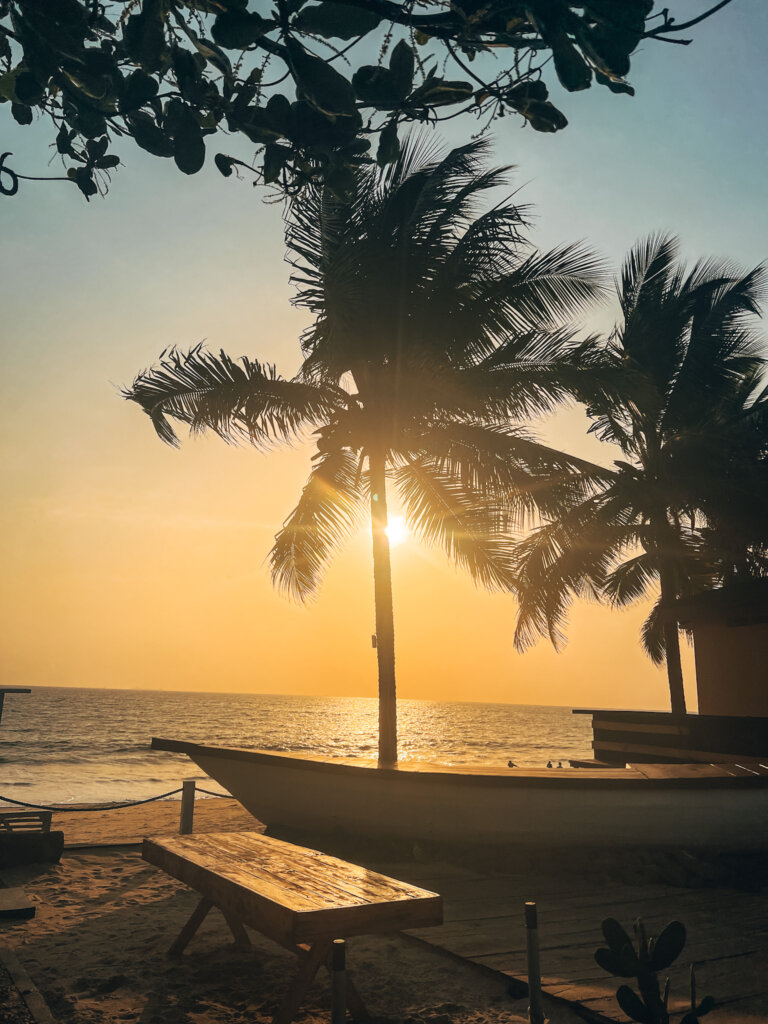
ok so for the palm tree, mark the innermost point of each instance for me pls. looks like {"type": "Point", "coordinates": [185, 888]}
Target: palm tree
{"type": "Point", "coordinates": [688, 345]}
{"type": "Point", "coordinates": [434, 333]}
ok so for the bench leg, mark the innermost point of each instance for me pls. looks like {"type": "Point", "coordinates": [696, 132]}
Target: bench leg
{"type": "Point", "coordinates": [357, 1007]}
{"type": "Point", "coordinates": [239, 933]}
{"type": "Point", "coordinates": [199, 914]}
{"type": "Point", "coordinates": [314, 959]}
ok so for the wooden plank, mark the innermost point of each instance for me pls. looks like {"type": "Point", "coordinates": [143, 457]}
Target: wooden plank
{"type": "Point", "coordinates": [687, 771]}
{"type": "Point", "coordinates": [28, 991]}
{"type": "Point", "coordinates": [15, 903]}
{"type": "Point", "coordinates": [684, 755]}
{"type": "Point", "coordinates": [636, 727]}
{"type": "Point", "coordinates": [323, 876]}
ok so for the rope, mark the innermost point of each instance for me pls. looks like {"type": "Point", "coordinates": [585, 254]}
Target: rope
{"type": "Point", "coordinates": [91, 807]}
{"type": "Point", "coordinates": [209, 792]}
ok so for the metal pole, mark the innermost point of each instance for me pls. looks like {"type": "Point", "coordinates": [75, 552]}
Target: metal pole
{"type": "Point", "coordinates": [338, 982]}
{"type": "Point", "coordinates": [186, 820]}
{"type": "Point", "coordinates": [535, 1009]}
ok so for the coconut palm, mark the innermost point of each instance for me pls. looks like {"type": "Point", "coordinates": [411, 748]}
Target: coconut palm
{"type": "Point", "coordinates": [687, 338]}
{"type": "Point", "coordinates": [434, 334]}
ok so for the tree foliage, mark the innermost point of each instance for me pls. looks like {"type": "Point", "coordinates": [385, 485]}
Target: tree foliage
{"type": "Point", "coordinates": [435, 331]}
{"type": "Point", "coordinates": [684, 507]}
{"type": "Point", "coordinates": [319, 86]}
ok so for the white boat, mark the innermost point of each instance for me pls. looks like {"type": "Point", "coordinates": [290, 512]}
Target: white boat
{"type": "Point", "coordinates": [649, 804]}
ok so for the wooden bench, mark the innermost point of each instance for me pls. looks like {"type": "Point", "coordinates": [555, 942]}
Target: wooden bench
{"type": "Point", "coordinates": [25, 821]}
{"type": "Point", "coordinates": [299, 898]}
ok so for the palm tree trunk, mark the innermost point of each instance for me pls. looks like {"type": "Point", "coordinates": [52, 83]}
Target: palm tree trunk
{"type": "Point", "coordinates": [385, 625]}
{"type": "Point", "coordinates": [672, 650]}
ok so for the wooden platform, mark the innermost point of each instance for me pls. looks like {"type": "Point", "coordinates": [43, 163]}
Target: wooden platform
{"type": "Point", "coordinates": [727, 935]}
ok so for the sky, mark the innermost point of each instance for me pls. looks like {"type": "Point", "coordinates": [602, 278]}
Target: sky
{"type": "Point", "coordinates": [128, 564]}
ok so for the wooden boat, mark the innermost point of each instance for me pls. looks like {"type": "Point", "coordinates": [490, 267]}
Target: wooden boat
{"type": "Point", "coordinates": [649, 804]}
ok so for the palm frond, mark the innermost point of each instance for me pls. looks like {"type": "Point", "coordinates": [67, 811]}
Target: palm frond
{"type": "Point", "coordinates": [472, 532]}
{"type": "Point", "coordinates": [329, 510]}
{"type": "Point", "coordinates": [240, 400]}
{"type": "Point", "coordinates": [630, 580]}
{"type": "Point", "coordinates": [652, 635]}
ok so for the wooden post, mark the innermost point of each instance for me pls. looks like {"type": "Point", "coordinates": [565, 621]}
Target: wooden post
{"type": "Point", "coordinates": [187, 807]}
{"type": "Point", "coordinates": [535, 1010]}
{"type": "Point", "coordinates": [338, 982]}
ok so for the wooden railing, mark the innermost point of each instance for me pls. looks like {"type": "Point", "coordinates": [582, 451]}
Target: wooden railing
{"type": "Point", "coordinates": [651, 737]}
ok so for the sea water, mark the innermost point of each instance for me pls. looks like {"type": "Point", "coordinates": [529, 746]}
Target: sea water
{"type": "Point", "coordinates": [62, 745]}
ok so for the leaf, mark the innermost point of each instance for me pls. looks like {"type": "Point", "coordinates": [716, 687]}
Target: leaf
{"type": "Point", "coordinates": [21, 113]}
{"type": "Point", "coordinates": [340, 180]}
{"type": "Point", "coordinates": [8, 84]}
{"type": "Point", "coordinates": [104, 163]}
{"type": "Point", "coordinates": [522, 94]}
{"type": "Point", "coordinates": [188, 146]}
{"type": "Point", "coordinates": [335, 21]}
{"type": "Point", "coordinates": [63, 143]}
{"type": "Point", "coordinates": [437, 92]}
{"type": "Point", "coordinates": [275, 158]}
{"type": "Point", "coordinates": [28, 89]}
{"type": "Point", "coordinates": [668, 946]}
{"type": "Point", "coordinates": [616, 936]}
{"type": "Point", "coordinates": [82, 178]}
{"type": "Point", "coordinates": [96, 148]}
{"type": "Point", "coordinates": [389, 145]}
{"type": "Point", "coordinates": [706, 1005]}
{"type": "Point", "coordinates": [321, 84]}
{"type": "Point", "coordinates": [236, 30]}
{"type": "Point", "coordinates": [138, 89]}
{"type": "Point", "coordinates": [149, 136]}
{"type": "Point", "coordinates": [545, 117]}
{"type": "Point", "coordinates": [89, 122]}
{"type": "Point", "coordinates": [401, 64]}
{"type": "Point", "coordinates": [224, 164]}
{"type": "Point", "coordinates": [632, 1005]}
{"type": "Point", "coordinates": [614, 84]}
{"type": "Point", "coordinates": [144, 36]}
{"type": "Point", "coordinates": [376, 87]}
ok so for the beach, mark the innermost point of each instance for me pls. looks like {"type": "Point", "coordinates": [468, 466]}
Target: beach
{"type": "Point", "coordinates": [96, 947]}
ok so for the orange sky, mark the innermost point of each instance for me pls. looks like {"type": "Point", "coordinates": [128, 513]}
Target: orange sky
{"type": "Point", "coordinates": [128, 564]}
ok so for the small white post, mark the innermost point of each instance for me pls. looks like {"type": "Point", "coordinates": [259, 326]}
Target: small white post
{"type": "Point", "coordinates": [535, 1009]}
{"type": "Point", "coordinates": [338, 982]}
{"type": "Point", "coordinates": [186, 820]}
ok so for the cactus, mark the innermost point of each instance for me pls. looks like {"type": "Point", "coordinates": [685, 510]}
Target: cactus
{"type": "Point", "coordinates": [642, 960]}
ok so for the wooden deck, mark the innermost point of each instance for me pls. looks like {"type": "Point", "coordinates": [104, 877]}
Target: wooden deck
{"type": "Point", "coordinates": [483, 913]}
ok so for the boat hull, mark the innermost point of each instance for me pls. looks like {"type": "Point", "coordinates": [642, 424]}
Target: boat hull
{"type": "Point", "coordinates": [620, 807]}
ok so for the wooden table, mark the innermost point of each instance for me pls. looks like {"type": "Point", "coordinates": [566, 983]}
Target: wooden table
{"type": "Point", "coordinates": [297, 897]}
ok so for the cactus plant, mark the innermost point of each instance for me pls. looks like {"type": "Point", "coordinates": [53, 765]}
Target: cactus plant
{"type": "Point", "coordinates": [642, 960]}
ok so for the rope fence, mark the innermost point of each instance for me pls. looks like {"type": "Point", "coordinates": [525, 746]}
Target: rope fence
{"type": "Point", "coordinates": [106, 807]}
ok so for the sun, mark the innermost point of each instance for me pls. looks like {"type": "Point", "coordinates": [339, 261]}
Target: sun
{"type": "Point", "coordinates": [397, 531]}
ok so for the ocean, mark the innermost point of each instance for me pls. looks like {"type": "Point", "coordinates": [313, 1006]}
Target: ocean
{"type": "Point", "coordinates": [73, 745]}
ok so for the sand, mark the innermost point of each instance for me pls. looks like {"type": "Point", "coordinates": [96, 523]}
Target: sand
{"type": "Point", "coordinates": [104, 920]}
